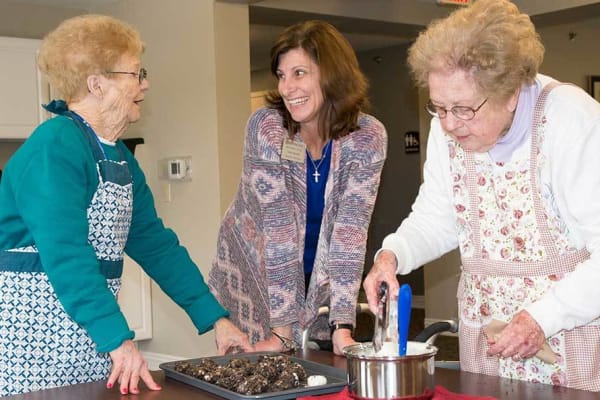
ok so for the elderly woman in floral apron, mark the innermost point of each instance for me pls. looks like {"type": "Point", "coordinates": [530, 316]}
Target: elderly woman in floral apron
{"type": "Point", "coordinates": [72, 200]}
{"type": "Point", "coordinates": [511, 179]}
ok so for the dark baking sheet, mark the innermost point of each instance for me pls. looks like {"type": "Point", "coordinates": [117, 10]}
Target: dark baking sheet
{"type": "Point", "coordinates": [336, 378]}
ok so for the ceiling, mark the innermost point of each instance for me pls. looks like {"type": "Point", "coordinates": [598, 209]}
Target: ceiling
{"type": "Point", "coordinates": [368, 24]}
{"type": "Point", "coordinates": [382, 23]}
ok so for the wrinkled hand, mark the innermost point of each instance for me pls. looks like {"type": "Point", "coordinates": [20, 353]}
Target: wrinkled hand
{"type": "Point", "coordinates": [383, 270]}
{"type": "Point", "coordinates": [341, 338]}
{"type": "Point", "coordinates": [521, 338]}
{"type": "Point", "coordinates": [270, 344]}
{"type": "Point", "coordinates": [274, 343]}
{"type": "Point", "coordinates": [230, 339]}
{"type": "Point", "coordinates": [128, 366]}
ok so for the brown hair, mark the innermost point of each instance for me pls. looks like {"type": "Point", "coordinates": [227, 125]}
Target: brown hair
{"type": "Point", "coordinates": [82, 46]}
{"type": "Point", "coordinates": [343, 84]}
{"type": "Point", "coordinates": [491, 40]}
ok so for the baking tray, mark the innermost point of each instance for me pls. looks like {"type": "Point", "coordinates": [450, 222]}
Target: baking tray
{"type": "Point", "coordinates": [336, 378]}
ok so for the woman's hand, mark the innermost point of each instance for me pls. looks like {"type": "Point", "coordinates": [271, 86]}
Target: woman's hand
{"type": "Point", "coordinates": [521, 338]}
{"type": "Point", "coordinates": [341, 338]}
{"type": "Point", "coordinates": [128, 366]}
{"type": "Point", "coordinates": [383, 270]}
{"type": "Point", "coordinates": [280, 340]}
{"type": "Point", "coordinates": [230, 339]}
{"type": "Point", "coordinates": [271, 344]}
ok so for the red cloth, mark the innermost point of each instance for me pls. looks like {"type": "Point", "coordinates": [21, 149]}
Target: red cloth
{"type": "Point", "coordinates": [343, 395]}
{"type": "Point", "coordinates": [440, 393]}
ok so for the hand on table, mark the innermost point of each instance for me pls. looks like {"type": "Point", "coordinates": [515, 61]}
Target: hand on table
{"type": "Point", "coordinates": [280, 340]}
{"type": "Point", "coordinates": [521, 338]}
{"type": "Point", "coordinates": [128, 366]}
{"type": "Point", "coordinates": [270, 344]}
{"type": "Point", "coordinates": [230, 339]}
{"type": "Point", "coordinates": [341, 338]}
{"type": "Point", "coordinates": [383, 270]}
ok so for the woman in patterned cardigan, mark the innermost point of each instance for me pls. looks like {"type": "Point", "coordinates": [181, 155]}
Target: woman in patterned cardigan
{"type": "Point", "coordinates": [294, 238]}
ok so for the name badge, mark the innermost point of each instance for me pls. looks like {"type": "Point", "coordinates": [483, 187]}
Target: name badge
{"type": "Point", "coordinates": [293, 151]}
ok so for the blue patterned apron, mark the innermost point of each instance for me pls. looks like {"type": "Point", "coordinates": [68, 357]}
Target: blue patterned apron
{"type": "Point", "coordinates": [40, 345]}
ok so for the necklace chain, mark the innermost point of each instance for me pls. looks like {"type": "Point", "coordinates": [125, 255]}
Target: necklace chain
{"type": "Point", "coordinates": [316, 174]}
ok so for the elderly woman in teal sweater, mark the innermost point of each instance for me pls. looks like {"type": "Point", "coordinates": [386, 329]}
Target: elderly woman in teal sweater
{"type": "Point", "coordinates": [72, 201]}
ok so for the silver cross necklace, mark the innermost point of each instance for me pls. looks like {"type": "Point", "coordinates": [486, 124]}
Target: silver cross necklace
{"type": "Point", "coordinates": [316, 174]}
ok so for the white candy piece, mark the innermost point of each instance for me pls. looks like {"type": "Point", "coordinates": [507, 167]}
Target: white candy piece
{"type": "Point", "coordinates": [316, 380]}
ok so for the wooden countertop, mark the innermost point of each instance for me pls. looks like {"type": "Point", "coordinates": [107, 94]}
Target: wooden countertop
{"type": "Point", "coordinates": [456, 381]}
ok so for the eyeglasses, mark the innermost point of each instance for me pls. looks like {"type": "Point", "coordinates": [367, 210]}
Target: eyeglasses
{"type": "Point", "coordinates": [141, 74]}
{"type": "Point", "coordinates": [461, 112]}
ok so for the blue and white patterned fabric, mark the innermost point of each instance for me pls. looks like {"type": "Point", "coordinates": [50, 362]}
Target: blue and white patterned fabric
{"type": "Point", "coordinates": [40, 345]}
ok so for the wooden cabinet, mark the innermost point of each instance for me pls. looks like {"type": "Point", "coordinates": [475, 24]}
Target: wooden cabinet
{"type": "Point", "coordinates": [22, 88]}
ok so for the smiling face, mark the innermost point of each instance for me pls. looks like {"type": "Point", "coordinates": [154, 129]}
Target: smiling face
{"type": "Point", "coordinates": [457, 88]}
{"type": "Point", "coordinates": [300, 87]}
{"type": "Point", "coordinates": [123, 93]}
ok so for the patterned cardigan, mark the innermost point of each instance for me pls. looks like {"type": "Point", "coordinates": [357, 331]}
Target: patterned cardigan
{"type": "Point", "coordinates": [257, 274]}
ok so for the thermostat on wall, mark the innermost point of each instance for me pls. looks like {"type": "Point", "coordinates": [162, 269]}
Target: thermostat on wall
{"type": "Point", "coordinates": [175, 168]}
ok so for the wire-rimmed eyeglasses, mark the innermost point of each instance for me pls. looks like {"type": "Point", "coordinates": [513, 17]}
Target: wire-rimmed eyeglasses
{"type": "Point", "coordinates": [461, 112]}
{"type": "Point", "coordinates": [141, 74]}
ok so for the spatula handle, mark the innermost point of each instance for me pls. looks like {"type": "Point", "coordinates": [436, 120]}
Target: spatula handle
{"type": "Point", "coordinates": [379, 318]}
{"type": "Point", "coordinates": [404, 307]}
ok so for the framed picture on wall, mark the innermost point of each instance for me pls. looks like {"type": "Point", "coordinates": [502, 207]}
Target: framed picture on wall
{"type": "Point", "coordinates": [594, 86]}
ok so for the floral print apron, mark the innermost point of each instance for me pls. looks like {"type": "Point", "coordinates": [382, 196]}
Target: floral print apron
{"type": "Point", "coordinates": [514, 247]}
{"type": "Point", "coordinates": [40, 345]}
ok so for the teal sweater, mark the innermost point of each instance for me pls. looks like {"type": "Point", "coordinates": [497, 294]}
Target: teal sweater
{"type": "Point", "coordinates": [46, 188]}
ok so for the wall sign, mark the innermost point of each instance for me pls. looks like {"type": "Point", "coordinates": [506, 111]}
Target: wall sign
{"type": "Point", "coordinates": [411, 142]}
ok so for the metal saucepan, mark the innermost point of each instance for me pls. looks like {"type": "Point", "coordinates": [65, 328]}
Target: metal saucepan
{"type": "Point", "coordinates": [375, 376]}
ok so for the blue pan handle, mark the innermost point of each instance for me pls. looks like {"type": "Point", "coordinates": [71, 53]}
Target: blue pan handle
{"type": "Point", "coordinates": [404, 306]}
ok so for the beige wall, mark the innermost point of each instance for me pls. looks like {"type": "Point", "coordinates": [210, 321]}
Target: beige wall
{"type": "Point", "coordinates": [198, 103]}
{"type": "Point", "coordinates": [31, 21]}
{"type": "Point", "coordinates": [572, 60]}
{"type": "Point", "coordinates": [394, 101]}
{"type": "Point", "coordinates": [262, 79]}
{"type": "Point", "coordinates": [232, 53]}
